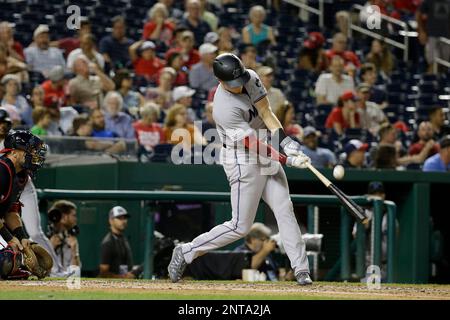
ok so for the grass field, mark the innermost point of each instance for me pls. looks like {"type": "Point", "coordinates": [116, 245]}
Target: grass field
{"type": "Point", "coordinates": [213, 290]}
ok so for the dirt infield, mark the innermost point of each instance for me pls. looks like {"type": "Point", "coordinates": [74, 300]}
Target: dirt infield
{"type": "Point", "coordinates": [143, 289]}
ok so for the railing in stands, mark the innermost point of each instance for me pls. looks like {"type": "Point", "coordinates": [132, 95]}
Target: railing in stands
{"type": "Point", "coordinates": [404, 32]}
{"type": "Point", "coordinates": [303, 4]}
{"type": "Point", "coordinates": [439, 61]}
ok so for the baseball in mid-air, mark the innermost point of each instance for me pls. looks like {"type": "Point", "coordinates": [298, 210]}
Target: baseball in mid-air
{"type": "Point", "coordinates": [338, 172]}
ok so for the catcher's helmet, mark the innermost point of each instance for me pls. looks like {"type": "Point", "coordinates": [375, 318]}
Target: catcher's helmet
{"type": "Point", "coordinates": [35, 149]}
{"type": "Point", "coordinates": [229, 69]}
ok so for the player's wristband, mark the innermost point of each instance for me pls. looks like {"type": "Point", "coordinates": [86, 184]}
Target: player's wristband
{"type": "Point", "coordinates": [19, 233]}
{"type": "Point", "coordinates": [279, 136]}
{"type": "Point", "coordinates": [6, 235]}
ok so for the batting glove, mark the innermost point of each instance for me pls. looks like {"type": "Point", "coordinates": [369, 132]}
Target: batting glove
{"type": "Point", "coordinates": [300, 161]}
{"type": "Point", "coordinates": [291, 147]}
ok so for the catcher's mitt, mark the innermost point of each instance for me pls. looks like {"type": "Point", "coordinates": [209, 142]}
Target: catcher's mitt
{"type": "Point", "coordinates": [37, 260]}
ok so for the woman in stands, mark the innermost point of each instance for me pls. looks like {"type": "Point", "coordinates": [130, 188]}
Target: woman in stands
{"type": "Point", "coordinates": [257, 31]}
{"type": "Point", "coordinates": [148, 132]}
{"type": "Point", "coordinates": [344, 116]}
{"type": "Point", "coordinates": [381, 56]}
{"type": "Point", "coordinates": [13, 97]}
{"type": "Point", "coordinates": [178, 130]}
{"type": "Point", "coordinates": [312, 56]}
{"type": "Point", "coordinates": [159, 28]}
{"type": "Point", "coordinates": [286, 114]}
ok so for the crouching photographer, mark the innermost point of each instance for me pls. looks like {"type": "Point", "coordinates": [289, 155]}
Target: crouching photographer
{"type": "Point", "coordinates": [63, 232]}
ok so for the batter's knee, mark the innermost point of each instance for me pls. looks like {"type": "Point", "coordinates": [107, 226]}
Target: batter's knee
{"type": "Point", "coordinates": [241, 229]}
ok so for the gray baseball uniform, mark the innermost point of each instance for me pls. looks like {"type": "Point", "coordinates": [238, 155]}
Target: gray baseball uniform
{"type": "Point", "coordinates": [236, 117]}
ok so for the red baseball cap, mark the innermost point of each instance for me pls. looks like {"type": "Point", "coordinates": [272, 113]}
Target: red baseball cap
{"type": "Point", "coordinates": [315, 40]}
{"type": "Point", "coordinates": [348, 95]}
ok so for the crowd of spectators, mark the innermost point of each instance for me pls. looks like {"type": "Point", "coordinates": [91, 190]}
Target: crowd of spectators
{"type": "Point", "coordinates": [145, 84]}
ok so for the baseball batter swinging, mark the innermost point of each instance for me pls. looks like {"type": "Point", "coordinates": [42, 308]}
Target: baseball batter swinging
{"type": "Point", "coordinates": [241, 109]}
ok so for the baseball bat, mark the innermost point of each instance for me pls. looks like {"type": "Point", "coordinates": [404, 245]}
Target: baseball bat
{"type": "Point", "coordinates": [356, 211]}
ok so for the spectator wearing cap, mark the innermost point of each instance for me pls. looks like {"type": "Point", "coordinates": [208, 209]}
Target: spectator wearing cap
{"type": "Point", "coordinates": [355, 154]}
{"type": "Point", "coordinates": [55, 88]}
{"type": "Point", "coordinates": [320, 157]}
{"type": "Point", "coordinates": [339, 48]}
{"type": "Point", "coordinates": [114, 47]}
{"type": "Point", "coordinates": [330, 86]}
{"type": "Point", "coordinates": [14, 47]}
{"type": "Point", "coordinates": [149, 133]}
{"type": "Point", "coordinates": [248, 56]}
{"type": "Point", "coordinates": [370, 113]}
{"type": "Point", "coordinates": [344, 116]}
{"type": "Point", "coordinates": [183, 96]}
{"type": "Point", "coordinates": [436, 116]}
{"type": "Point", "coordinates": [312, 56]}
{"type": "Point", "coordinates": [42, 57]}
{"type": "Point", "coordinates": [440, 161]}
{"type": "Point", "coordinates": [201, 76]}
{"type": "Point", "coordinates": [159, 28]}
{"type": "Point", "coordinates": [41, 119]}
{"type": "Point", "coordinates": [194, 21]}
{"type": "Point", "coordinates": [145, 63]}
{"type": "Point", "coordinates": [257, 32]}
{"type": "Point", "coordinates": [286, 115]}
{"type": "Point", "coordinates": [368, 74]}
{"type": "Point", "coordinates": [12, 96]}
{"type": "Point", "coordinates": [261, 246]}
{"type": "Point", "coordinates": [424, 134]}
{"type": "Point", "coordinates": [132, 100]}
{"type": "Point", "coordinates": [162, 94]}
{"type": "Point", "coordinates": [85, 89]}
{"type": "Point", "coordinates": [87, 48]}
{"type": "Point", "coordinates": [67, 45]}
{"type": "Point", "coordinates": [211, 37]}
{"type": "Point", "coordinates": [116, 257]}
{"type": "Point", "coordinates": [275, 95]}
{"type": "Point", "coordinates": [189, 55]}
{"type": "Point", "coordinates": [117, 121]}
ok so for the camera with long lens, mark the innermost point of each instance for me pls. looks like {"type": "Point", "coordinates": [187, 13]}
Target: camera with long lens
{"type": "Point", "coordinates": [313, 242]}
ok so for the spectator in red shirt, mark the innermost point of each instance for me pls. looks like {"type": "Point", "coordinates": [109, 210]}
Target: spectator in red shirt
{"type": "Point", "coordinates": [148, 132]}
{"type": "Point", "coordinates": [55, 88]}
{"type": "Point", "coordinates": [175, 61]}
{"type": "Point", "coordinates": [425, 134]}
{"type": "Point", "coordinates": [145, 62]}
{"type": "Point", "coordinates": [159, 27]}
{"type": "Point", "coordinates": [344, 115]}
{"type": "Point", "coordinates": [339, 48]}
{"type": "Point", "coordinates": [15, 49]}
{"type": "Point", "coordinates": [189, 55]}
{"type": "Point", "coordinates": [67, 45]}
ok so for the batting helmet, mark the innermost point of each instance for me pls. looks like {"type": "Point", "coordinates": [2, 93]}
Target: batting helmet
{"type": "Point", "coordinates": [35, 149]}
{"type": "Point", "coordinates": [229, 69]}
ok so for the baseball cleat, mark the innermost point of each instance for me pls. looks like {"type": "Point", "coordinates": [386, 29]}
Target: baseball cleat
{"type": "Point", "coordinates": [177, 265]}
{"type": "Point", "coordinates": [303, 279]}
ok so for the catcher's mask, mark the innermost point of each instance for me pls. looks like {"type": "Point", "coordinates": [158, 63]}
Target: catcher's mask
{"type": "Point", "coordinates": [9, 262]}
{"type": "Point", "coordinates": [35, 149]}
